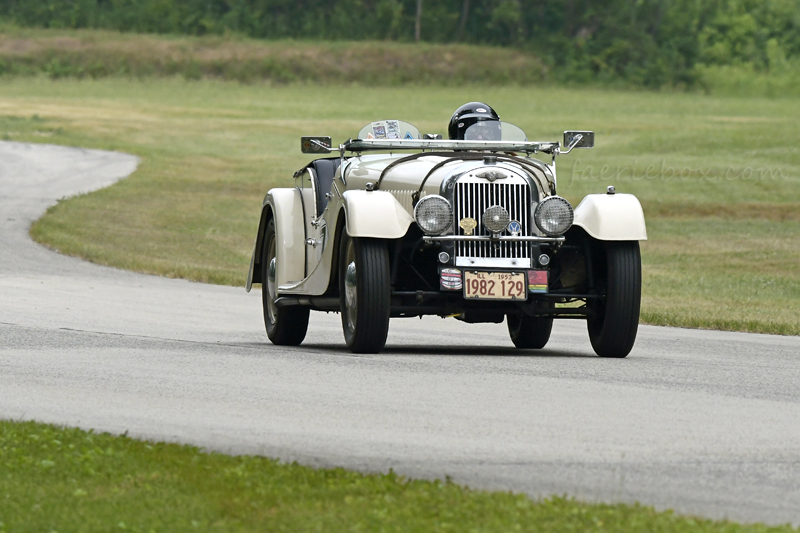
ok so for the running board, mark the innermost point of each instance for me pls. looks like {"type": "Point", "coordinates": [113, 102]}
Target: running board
{"type": "Point", "coordinates": [317, 303]}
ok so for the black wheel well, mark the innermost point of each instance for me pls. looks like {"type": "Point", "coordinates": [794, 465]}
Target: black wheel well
{"type": "Point", "coordinates": [258, 251]}
{"type": "Point", "coordinates": [333, 281]}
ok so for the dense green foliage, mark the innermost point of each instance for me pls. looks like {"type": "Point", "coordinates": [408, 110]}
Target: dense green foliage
{"type": "Point", "coordinates": [653, 43]}
{"type": "Point", "coordinates": [56, 479]}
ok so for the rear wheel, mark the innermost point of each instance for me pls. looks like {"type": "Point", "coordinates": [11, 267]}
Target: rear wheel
{"type": "Point", "coordinates": [615, 320]}
{"type": "Point", "coordinates": [286, 326]}
{"type": "Point", "coordinates": [529, 332]}
{"type": "Point", "coordinates": [364, 293]}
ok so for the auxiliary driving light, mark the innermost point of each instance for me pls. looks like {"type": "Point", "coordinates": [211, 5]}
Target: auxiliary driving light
{"type": "Point", "coordinates": [496, 219]}
{"type": "Point", "coordinates": [433, 214]}
{"type": "Point", "coordinates": [553, 215]}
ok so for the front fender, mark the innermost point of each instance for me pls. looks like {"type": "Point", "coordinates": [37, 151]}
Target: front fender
{"type": "Point", "coordinates": [611, 217]}
{"type": "Point", "coordinates": [286, 207]}
{"type": "Point", "coordinates": [375, 214]}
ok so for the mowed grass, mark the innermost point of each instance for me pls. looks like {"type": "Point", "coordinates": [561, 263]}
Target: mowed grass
{"type": "Point", "coordinates": [57, 479]}
{"type": "Point", "coordinates": [719, 178]}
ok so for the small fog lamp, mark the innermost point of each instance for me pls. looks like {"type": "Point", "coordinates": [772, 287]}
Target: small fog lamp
{"type": "Point", "coordinates": [496, 219]}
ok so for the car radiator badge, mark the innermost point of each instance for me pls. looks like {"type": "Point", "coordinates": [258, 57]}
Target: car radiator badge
{"type": "Point", "coordinates": [514, 228]}
{"type": "Point", "coordinates": [468, 224]}
{"type": "Point", "coordinates": [492, 175]}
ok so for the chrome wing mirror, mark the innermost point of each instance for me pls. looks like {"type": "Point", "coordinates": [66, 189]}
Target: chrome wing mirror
{"type": "Point", "coordinates": [577, 139]}
{"type": "Point", "coordinates": [315, 145]}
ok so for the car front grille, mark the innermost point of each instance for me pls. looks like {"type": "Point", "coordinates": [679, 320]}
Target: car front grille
{"type": "Point", "coordinates": [471, 198]}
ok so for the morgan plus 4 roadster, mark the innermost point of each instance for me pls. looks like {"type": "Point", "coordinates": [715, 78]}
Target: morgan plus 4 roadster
{"type": "Point", "coordinates": [403, 225]}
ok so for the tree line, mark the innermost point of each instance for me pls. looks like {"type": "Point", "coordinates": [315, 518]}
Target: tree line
{"type": "Point", "coordinates": [647, 42]}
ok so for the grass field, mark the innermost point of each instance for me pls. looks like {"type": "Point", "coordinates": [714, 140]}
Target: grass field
{"type": "Point", "coordinates": [55, 479]}
{"type": "Point", "coordinates": [719, 178]}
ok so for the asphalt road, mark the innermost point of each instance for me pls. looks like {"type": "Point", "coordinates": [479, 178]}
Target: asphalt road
{"type": "Point", "coordinates": [702, 422]}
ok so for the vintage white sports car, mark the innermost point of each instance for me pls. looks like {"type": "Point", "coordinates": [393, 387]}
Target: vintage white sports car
{"type": "Point", "coordinates": [400, 224]}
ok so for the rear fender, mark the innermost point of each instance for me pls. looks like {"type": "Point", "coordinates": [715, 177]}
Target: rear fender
{"type": "Point", "coordinates": [286, 207]}
{"type": "Point", "coordinates": [611, 217]}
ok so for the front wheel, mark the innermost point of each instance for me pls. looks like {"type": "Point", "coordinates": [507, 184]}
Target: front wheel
{"type": "Point", "coordinates": [615, 320]}
{"type": "Point", "coordinates": [286, 326]}
{"type": "Point", "coordinates": [529, 332]}
{"type": "Point", "coordinates": [364, 293]}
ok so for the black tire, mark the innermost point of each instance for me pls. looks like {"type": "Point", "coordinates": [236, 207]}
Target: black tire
{"type": "Point", "coordinates": [613, 326]}
{"type": "Point", "coordinates": [364, 293]}
{"type": "Point", "coordinates": [286, 326]}
{"type": "Point", "coordinates": [529, 332]}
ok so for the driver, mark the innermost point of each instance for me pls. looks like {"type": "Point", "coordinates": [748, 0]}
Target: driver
{"type": "Point", "coordinates": [474, 121]}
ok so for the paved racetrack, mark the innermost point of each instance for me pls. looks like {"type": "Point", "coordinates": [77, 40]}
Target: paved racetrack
{"type": "Point", "coordinates": [702, 422]}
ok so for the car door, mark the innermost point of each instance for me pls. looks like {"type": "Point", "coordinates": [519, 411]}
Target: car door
{"type": "Point", "coordinates": [319, 177]}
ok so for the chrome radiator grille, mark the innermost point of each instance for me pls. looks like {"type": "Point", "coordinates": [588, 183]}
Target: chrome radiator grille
{"type": "Point", "coordinates": [472, 197]}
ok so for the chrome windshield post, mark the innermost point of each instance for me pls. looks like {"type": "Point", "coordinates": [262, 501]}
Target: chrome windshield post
{"type": "Point", "coordinates": [341, 163]}
{"type": "Point", "coordinates": [552, 165]}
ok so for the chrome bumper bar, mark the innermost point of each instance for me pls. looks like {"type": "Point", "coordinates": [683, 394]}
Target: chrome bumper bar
{"type": "Point", "coordinates": [485, 238]}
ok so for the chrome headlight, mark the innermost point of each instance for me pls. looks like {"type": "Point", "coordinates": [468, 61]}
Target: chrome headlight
{"type": "Point", "coordinates": [434, 214]}
{"type": "Point", "coordinates": [496, 219]}
{"type": "Point", "coordinates": [553, 215]}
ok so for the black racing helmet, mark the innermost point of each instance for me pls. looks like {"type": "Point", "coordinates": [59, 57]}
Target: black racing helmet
{"type": "Point", "coordinates": [469, 114]}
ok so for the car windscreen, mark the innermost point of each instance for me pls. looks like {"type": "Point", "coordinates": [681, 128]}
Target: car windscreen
{"type": "Point", "coordinates": [389, 129]}
{"type": "Point", "coordinates": [494, 130]}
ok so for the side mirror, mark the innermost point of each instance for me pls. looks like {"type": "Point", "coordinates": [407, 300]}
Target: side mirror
{"type": "Point", "coordinates": [315, 145]}
{"type": "Point", "coordinates": [586, 141]}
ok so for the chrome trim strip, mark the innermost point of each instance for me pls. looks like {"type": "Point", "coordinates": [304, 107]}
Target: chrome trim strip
{"type": "Point", "coordinates": [492, 262]}
{"type": "Point", "coordinates": [486, 238]}
{"type": "Point", "coordinates": [362, 145]}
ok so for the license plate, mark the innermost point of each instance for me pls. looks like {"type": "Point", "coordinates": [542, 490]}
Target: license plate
{"type": "Point", "coordinates": [495, 285]}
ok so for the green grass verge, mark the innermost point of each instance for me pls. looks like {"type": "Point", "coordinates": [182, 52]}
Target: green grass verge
{"type": "Point", "coordinates": [58, 480]}
{"type": "Point", "coordinates": [719, 178]}
{"type": "Point", "coordinates": [93, 54]}
{"type": "Point", "coordinates": [99, 54]}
